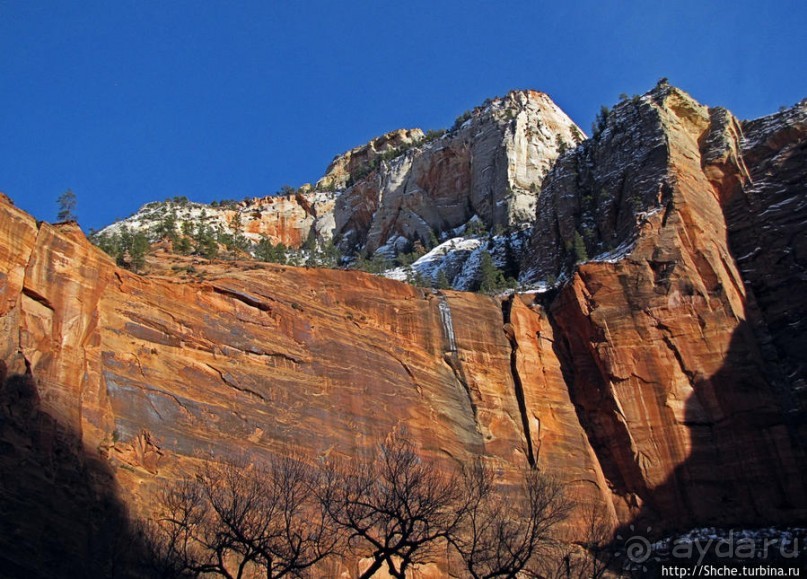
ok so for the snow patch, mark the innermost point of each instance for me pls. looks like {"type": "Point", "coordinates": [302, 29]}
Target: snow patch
{"type": "Point", "coordinates": [617, 254]}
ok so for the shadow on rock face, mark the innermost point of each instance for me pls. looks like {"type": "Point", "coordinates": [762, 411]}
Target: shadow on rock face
{"type": "Point", "coordinates": [744, 473]}
{"type": "Point", "coordinates": [746, 462]}
{"type": "Point", "coordinates": [59, 512]}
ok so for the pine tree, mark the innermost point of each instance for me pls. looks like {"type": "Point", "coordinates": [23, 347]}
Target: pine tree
{"type": "Point", "coordinates": [206, 244]}
{"type": "Point", "coordinates": [137, 251]}
{"type": "Point", "coordinates": [109, 243]}
{"type": "Point", "coordinates": [265, 251]}
{"type": "Point", "coordinates": [432, 241]}
{"type": "Point", "coordinates": [129, 249]}
{"type": "Point", "coordinates": [167, 227]}
{"type": "Point", "coordinates": [491, 278]}
{"type": "Point", "coordinates": [579, 248]}
{"type": "Point", "coordinates": [235, 223]}
{"type": "Point", "coordinates": [67, 206]}
{"type": "Point", "coordinates": [442, 280]}
{"type": "Point", "coordinates": [183, 246]}
{"type": "Point", "coordinates": [330, 254]}
{"type": "Point", "coordinates": [601, 122]}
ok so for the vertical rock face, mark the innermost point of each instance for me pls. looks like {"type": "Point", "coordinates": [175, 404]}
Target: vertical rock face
{"type": "Point", "coordinates": [491, 166]}
{"type": "Point", "coordinates": [148, 378]}
{"type": "Point", "coordinates": [289, 219]}
{"type": "Point", "coordinates": [664, 365]}
{"type": "Point", "coordinates": [766, 223]}
{"type": "Point", "coordinates": [361, 159]}
{"type": "Point", "coordinates": [662, 376]}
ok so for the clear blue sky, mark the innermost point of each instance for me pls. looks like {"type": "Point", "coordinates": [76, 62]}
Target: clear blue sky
{"type": "Point", "coordinates": [128, 101]}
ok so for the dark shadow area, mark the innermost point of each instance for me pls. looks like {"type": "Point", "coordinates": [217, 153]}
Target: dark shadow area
{"type": "Point", "coordinates": [744, 477]}
{"type": "Point", "coordinates": [766, 234]}
{"type": "Point", "coordinates": [60, 515]}
{"type": "Point", "coordinates": [745, 466]}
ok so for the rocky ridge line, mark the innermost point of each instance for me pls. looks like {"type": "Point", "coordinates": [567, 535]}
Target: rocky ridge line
{"type": "Point", "coordinates": [655, 379]}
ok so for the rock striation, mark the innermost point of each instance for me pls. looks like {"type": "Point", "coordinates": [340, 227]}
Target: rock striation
{"type": "Point", "coordinates": [766, 223]}
{"type": "Point", "coordinates": [153, 376]}
{"type": "Point", "coordinates": [657, 375]}
{"type": "Point", "coordinates": [344, 168]}
{"type": "Point", "coordinates": [403, 186]}
{"type": "Point", "coordinates": [489, 166]}
{"type": "Point", "coordinates": [660, 333]}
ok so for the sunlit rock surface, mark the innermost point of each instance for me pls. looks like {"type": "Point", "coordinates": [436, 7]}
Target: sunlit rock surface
{"type": "Point", "coordinates": [658, 377]}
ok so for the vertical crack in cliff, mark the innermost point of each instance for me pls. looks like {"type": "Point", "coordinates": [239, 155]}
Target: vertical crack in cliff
{"type": "Point", "coordinates": [451, 355]}
{"type": "Point", "coordinates": [598, 411]}
{"type": "Point", "coordinates": [507, 306]}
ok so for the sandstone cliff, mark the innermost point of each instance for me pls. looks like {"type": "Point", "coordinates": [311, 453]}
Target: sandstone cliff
{"type": "Point", "coordinates": [402, 186]}
{"type": "Point", "coordinates": [346, 168]}
{"type": "Point", "coordinates": [289, 218]}
{"type": "Point", "coordinates": [657, 379]}
{"type": "Point", "coordinates": [658, 328]}
{"type": "Point", "coordinates": [766, 234]}
{"type": "Point", "coordinates": [490, 166]}
{"type": "Point", "coordinates": [153, 376]}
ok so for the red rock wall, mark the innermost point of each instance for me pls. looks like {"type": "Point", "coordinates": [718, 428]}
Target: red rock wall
{"type": "Point", "coordinates": [154, 375]}
{"type": "Point", "coordinates": [664, 365]}
{"type": "Point", "coordinates": [644, 384]}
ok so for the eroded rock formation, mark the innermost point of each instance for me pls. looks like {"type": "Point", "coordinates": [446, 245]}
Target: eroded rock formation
{"type": "Point", "coordinates": [667, 371]}
{"type": "Point", "coordinates": [658, 379]}
{"type": "Point", "coordinates": [289, 219]}
{"type": "Point", "coordinates": [491, 166]}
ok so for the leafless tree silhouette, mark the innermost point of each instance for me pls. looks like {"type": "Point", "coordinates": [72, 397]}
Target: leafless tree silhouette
{"type": "Point", "coordinates": [506, 533]}
{"type": "Point", "coordinates": [591, 554]}
{"type": "Point", "coordinates": [238, 519]}
{"type": "Point", "coordinates": [396, 508]}
{"type": "Point", "coordinates": [393, 508]}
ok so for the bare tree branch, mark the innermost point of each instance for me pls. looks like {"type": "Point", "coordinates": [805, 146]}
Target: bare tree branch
{"type": "Point", "coordinates": [506, 532]}
{"type": "Point", "coordinates": [237, 518]}
{"type": "Point", "coordinates": [396, 508]}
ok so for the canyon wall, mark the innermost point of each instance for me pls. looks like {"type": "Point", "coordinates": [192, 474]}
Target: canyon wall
{"type": "Point", "coordinates": [659, 376]}
{"type": "Point", "coordinates": [662, 334]}
{"type": "Point", "coordinates": [490, 166]}
{"type": "Point", "coordinates": [152, 377]}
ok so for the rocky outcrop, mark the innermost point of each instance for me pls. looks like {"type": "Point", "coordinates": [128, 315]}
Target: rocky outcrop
{"type": "Point", "coordinates": [290, 219]}
{"type": "Point", "coordinates": [398, 189]}
{"type": "Point", "coordinates": [665, 370]}
{"type": "Point", "coordinates": [402, 186]}
{"type": "Point", "coordinates": [766, 223]}
{"type": "Point", "coordinates": [345, 168]}
{"type": "Point", "coordinates": [657, 377]}
{"type": "Point", "coordinates": [490, 166]}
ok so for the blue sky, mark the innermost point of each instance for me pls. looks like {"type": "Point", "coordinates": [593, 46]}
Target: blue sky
{"type": "Point", "coordinates": [137, 100]}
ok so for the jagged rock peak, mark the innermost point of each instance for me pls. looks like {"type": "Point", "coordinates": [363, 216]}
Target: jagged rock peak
{"type": "Point", "coordinates": [358, 159]}
{"type": "Point", "coordinates": [657, 384]}
{"type": "Point", "coordinates": [489, 166]}
{"type": "Point", "coordinates": [598, 196]}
